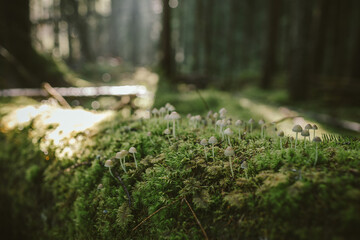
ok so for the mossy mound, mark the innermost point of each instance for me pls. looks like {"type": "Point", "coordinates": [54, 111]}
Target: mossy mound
{"type": "Point", "coordinates": [280, 194]}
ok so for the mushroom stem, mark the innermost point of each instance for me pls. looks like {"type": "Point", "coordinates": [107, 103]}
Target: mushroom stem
{"type": "Point", "coordinates": [314, 133]}
{"type": "Point", "coordinates": [205, 153]}
{"type": "Point", "coordinates": [262, 131]}
{"type": "Point", "coordinates": [174, 128]}
{"type": "Point", "coordinates": [250, 127]}
{"type": "Point", "coordinates": [280, 144]}
{"type": "Point", "coordinates": [231, 169]}
{"type": "Point", "coordinates": [316, 154]}
{"type": "Point", "coordinates": [111, 172]}
{"type": "Point", "coordinates": [123, 164]}
{"type": "Point", "coordinates": [135, 160]}
{"type": "Point", "coordinates": [239, 133]}
{"type": "Point", "coordinates": [296, 139]}
{"type": "Point", "coordinates": [229, 141]}
{"type": "Point", "coordinates": [304, 141]}
{"type": "Point", "coordinates": [213, 151]}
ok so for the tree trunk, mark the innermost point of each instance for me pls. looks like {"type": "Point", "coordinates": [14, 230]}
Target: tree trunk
{"type": "Point", "coordinates": [114, 28]}
{"type": "Point", "coordinates": [300, 37]}
{"type": "Point", "coordinates": [269, 67]}
{"type": "Point", "coordinates": [167, 59]}
{"type": "Point", "coordinates": [20, 64]}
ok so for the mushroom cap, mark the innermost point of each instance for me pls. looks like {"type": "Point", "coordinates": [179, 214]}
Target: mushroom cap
{"type": "Point", "coordinates": [218, 123]}
{"type": "Point", "coordinates": [174, 116]}
{"type": "Point", "coordinates": [305, 133]}
{"type": "Point", "coordinates": [315, 127]}
{"type": "Point", "coordinates": [213, 140]}
{"type": "Point", "coordinates": [229, 122]}
{"type": "Point", "coordinates": [149, 134]}
{"type": "Point", "coordinates": [167, 105]}
{"type": "Point", "coordinates": [198, 118]}
{"type": "Point", "coordinates": [297, 128]}
{"type": "Point", "coordinates": [155, 111]}
{"type": "Point", "coordinates": [167, 131]}
{"type": "Point", "coordinates": [132, 150]}
{"type": "Point", "coordinates": [100, 186]}
{"type": "Point", "coordinates": [261, 122]}
{"type": "Point", "coordinates": [244, 165]}
{"type": "Point", "coordinates": [308, 126]}
{"type": "Point", "coordinates": [228, 132]}
{"type": "Point", "coordinates": [109, 163]}
{"type": "Point", "coordinates": [222, 115]}
{"type": "Point", "coordinates": [238, 123]}
{"type": "Point", "coordinates": [316, 139]}
{"type": "Point", "coordinates": [215, 115]}
{"type": "Point", "coordinates": [162, 110]}
{"type": "Point", "coordinates": [292, 138]}
{"type": "Point", "coordinates": [229, 151]}
{"type": "Point", "coordinates": [223, 123]}
{"type": "Point", "coordinates": [222, 111]}
{"type": "Point", "coordinates": [251, 121]}
{"type": "Point", "coordinates": [209, 114]}
{"type": "Point", "coordinates": [281, 133]}
{"type": "Point", "coordinates": [189, 115]}
{"type": "Point", "coordinates": [203, 142]}
{"type": "Point", "coordinates": [121, 154]}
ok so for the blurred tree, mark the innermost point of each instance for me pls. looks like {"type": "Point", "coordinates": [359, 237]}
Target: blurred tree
{"type": "Point", "coordinates": [300, 38]}
{"type": "Point", "coordinates": [114, 40]}
{"type": "Point", "coordinates": [20, 64]}
{"type": "Point", "coordinates": [167, 55]}
{"type": "Point", "coordinates": [270, 60]}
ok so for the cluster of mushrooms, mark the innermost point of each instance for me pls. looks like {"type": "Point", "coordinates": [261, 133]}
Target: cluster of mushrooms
{"type": "Point", "coordinates": [221, 125]}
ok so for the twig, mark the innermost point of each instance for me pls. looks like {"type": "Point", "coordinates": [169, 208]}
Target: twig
{"type": "Point", "coordinates": [148, 217]}
{"type": "Point", "coordinates": [197, 220]}
{"type": "Point", "coordinates": [123, 186]}
{"type": "Point", "coordinates": [52, 92]}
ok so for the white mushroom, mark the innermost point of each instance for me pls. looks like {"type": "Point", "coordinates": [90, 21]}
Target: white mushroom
{"type": "Point", "coordinates": [203, 142]}
{"type": "Point", "coordinates": [133, 151]}
{"type": "Point", "coordinates": [213, 141]}
{"type": "Point", "coordinates": [174, 116]}
{"type": "Point", "coordinates": [229, 151]}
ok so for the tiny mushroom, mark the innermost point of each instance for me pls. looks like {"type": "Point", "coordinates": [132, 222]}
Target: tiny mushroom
{"type": "Point", "coordinates": [213, 141]}
{"type": "Point", "coordinates": [305, 133]}
{"type": "Point", "coordinates": [281, 135]}
{"type": "Point", "coordinates": [251, 122]}
{"type": "Point", "coordinates": [316, 140]}
{"type": "Point", "coordinates": [238, 123]}
{"type": "Point", "coordinates": [314, 127]}
{"type": "Point", "coordinates": [167, 132]}
{"type": "Point", "coordinates": [174, 116]}
{"type": "Point", "coordinates": [228, 132]}
{"type": "Point", "coordinates": [121, 156]}
{"type": "Point", "coordinates": [109, 164]}
{"type": "Point", "coordinates": [229, 151]}
{"type": "Point", "coordinates": [244, 166]}
{"type": "Point", "coordinates": [203, 142]}
{"type": "Point", "coordinates": [308, 127]}
{"type": "Point", "coordinates": [155, 112]}
{"type": "Point", "coordinates": [297, 129]}
{"type": "Point", "coordinates": [133, 151]}
{"type": "Point", "coordinates": [162, 111]}
{"type": "Point", "coordinates": [262, 124]}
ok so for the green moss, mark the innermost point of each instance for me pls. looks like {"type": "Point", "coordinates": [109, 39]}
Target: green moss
{"type": "Point", "coordinates": [279, 196]}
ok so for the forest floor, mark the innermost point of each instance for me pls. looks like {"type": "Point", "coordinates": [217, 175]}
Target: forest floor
{"type": "Point", "coordinates": [58, 186]}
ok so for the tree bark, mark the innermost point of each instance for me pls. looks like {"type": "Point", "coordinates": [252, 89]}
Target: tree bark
{"type": "Point", "coordinates": [20, 64]}
{"type": "Point", "coordinates": [300, 37]}
{"type": "Point", "coordinates": [269, 67]}
{"type": "Point", "coordinates": [167, 59]}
